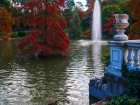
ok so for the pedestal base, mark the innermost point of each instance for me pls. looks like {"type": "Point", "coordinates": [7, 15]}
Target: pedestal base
{"type": "Point", "coordinates": [114, 70]}
{"type": "Point", "coordinates": [116, 85]}
{"type": "Point", "coordinates": [99, 94]}
{"type": "Point", "coordinates": [120, 38]}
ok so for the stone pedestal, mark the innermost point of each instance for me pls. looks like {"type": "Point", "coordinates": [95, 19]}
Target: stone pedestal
{"type": "Point", "coordinates": [95, 92]}
{"type": "Point", "coordinates": [112, 86]}
{"type": "Point", "coordinates": [97, 88]}
{"type": "Point", "coordinates": [116, 57]}
{"type": "Point", "coordinates": [116, 85]}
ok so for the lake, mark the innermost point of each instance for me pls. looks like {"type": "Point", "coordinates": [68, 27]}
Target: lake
{"type": "Point", "coordinates": [45, 80]}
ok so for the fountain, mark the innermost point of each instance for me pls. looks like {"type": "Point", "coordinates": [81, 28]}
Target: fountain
{"type": "Point", "coordinates": [96, 23]}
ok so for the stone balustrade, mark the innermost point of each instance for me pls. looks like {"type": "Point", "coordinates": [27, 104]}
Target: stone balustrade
{"type": "Point", "coordinates": [121, 51]}
{"type": "Point", "coordinates": [133, 48]}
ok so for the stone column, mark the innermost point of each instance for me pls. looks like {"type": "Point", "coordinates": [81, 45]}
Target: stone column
{"type": "Point", "coordinates": [116, 57]}
{"type": "Point", "coordinates": [116, 84]}
{"type": "Point", "coordinates": [117, 46]}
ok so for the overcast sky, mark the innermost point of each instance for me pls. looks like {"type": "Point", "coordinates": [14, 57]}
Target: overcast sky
{"type": "Point", "coordinates": [83, 2]}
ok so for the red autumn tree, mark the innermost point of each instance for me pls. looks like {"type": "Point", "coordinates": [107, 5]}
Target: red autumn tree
{"type": "Point", "coordinates": [108, 28]}
{"type": "Point", "coordinates": [133, 6]}
{"type": "Point", "coordinates": [47, 35]}
{"type": "Point", "coordinates": [81, 13]}
{"type": "Point", "coordinates": [6, 22]}
{"type": "Point", "coordinates": [91, 6]}
{"type": "Point", "coordinates": [88, 20]}
{"type": "Point", "coordinates": [87, 33]}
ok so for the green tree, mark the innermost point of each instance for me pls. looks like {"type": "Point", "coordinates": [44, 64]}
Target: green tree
{"type": "Point", "coordinates": [86, 22]}
{"type": "Point", "coordinates": [4, 3]}
{"type": "Point", "coordinates": [122, 5]}
{"type": "Point", "coordinates": [67, 15]}
{"type": "Point", "coordinates": [21, 1]}
{"type": "Point", "coordinates": [74, 29]}
{"type": "Point", "coordinates": [113, 1]}
{"type": "Point", "coordinates": [106, 11]}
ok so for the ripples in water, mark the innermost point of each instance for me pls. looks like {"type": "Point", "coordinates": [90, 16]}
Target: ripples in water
{"type": "Point", "coordinates": [41, 81]}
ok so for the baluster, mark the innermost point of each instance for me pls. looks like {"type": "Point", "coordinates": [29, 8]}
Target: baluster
{"type": "Point", "coordinates": [129, 58]}
{"type": "Point", "coordinates": [136, 59]}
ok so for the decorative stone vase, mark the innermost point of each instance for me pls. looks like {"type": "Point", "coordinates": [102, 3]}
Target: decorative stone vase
{"type": "Point", "coordinates": [121, 23]}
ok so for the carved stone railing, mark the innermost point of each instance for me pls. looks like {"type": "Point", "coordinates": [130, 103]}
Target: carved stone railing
{"type": "Point", "coordinates": [133, 48]}
{"type": "Point", "coordinates": [121, 51]}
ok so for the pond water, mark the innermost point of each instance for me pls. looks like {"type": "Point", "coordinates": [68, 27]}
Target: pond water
{"type": "Point", "coordinates": [41, 81]}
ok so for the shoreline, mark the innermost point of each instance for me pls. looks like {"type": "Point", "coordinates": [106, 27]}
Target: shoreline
{"type": "Point", "coordinates": [5, 39]}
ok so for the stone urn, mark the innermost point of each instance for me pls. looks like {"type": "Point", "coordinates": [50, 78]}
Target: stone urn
{"type": "Point", "coordinates": [121, 23]}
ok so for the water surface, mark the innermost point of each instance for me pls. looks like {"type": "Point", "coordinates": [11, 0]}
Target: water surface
{"type": "Point", "coordinates": [41, 81]}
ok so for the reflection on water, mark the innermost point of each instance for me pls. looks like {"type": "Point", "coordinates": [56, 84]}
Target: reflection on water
{"type": "Point", "coordinates": [41, 81]}
{"type": "Point", "coordinates": [96, 50]}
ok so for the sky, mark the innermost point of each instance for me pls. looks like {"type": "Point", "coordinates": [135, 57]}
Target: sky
{"type": "Point", "coordinates": [83, 2]}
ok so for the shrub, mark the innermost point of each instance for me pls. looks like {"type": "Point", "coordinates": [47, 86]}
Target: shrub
{"type": "Point", "coordinates": [121, 100]}
{"type": "Point", "coordinates": [66, 30]}
{"type": "Point", "coordinates": [87, 33]}
{"type": "Point", "coordinates": [22, 34]}
{"type": "Point", "coordinates": [124, 100]}
{"type": "Point", "coordinates": [132, 96]}
{"type": "Point", "coordinates": [14, 35]}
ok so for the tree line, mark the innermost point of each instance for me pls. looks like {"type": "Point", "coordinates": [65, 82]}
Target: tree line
{"type": "Point", "coordinates": [51, 23]}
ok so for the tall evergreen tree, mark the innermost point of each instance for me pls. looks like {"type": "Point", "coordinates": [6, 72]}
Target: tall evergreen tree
{"type": "Point", "coordinates": [67, 15]}
{"type": "Point", "coordinates": [75, 24]}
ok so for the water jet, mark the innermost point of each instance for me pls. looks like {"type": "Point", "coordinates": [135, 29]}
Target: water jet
{"type": "Point", "coordinates": [96, 22]}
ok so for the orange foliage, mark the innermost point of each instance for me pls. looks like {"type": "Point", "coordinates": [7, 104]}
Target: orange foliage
{"type": "Point", "coordinates": [47, 33]}
{"type": "Point", "coordinates": [6, 22]}
{"type": "Point", "coordinates": [134, 8]}
{"type": "Point", "coordinates": [135, 31]}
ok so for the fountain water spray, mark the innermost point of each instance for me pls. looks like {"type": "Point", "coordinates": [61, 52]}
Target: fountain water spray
{"type": "Point", "coordinates": [96, 23]}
